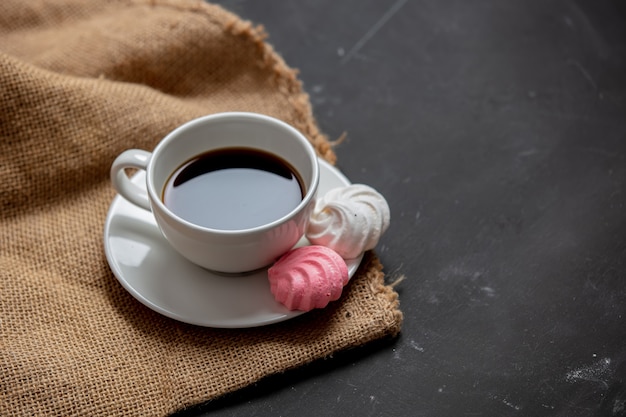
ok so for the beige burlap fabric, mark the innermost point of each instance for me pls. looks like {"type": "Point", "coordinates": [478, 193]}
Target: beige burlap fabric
{"type": "Point", "coordinates": [81, 81]}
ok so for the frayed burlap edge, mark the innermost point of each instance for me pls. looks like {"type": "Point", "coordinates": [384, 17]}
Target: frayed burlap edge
{"type": "Point", "coordinates": [286, 78]}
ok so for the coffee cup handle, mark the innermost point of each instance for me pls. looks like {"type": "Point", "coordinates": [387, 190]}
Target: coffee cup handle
{"type": "Point", "coordinates": [132, 158]}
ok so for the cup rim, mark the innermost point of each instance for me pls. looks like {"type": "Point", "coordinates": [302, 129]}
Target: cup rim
{"type": "Point", "coordinates": [155, 199]}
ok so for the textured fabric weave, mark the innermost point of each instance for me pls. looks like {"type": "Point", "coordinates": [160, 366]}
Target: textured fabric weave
{"type": "Point", "coordinates": [80, 82]}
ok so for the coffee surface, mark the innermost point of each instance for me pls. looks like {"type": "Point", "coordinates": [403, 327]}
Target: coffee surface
{"type": "Point", "coordinates": [233, 189]}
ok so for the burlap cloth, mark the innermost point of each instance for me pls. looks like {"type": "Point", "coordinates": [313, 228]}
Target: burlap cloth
{"type": "Point", "coordinates": [81, 81]}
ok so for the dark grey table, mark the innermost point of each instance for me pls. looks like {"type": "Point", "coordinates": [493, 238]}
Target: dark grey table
{"type": "Point", "coordinates": [497, 131]}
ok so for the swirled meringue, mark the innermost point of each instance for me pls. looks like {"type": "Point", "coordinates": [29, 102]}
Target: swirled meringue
{"type": "Point", "coordinates": [308, 277]}
{"type": "Point", "coordinates": [349, 220]}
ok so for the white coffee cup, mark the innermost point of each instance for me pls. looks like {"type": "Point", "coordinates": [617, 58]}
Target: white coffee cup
{"type": "Point", "coordinates": [228, 251]}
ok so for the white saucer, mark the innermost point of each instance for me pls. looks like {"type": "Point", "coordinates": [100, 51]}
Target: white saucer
{"type": "Point", "coordinates": [157, 276]}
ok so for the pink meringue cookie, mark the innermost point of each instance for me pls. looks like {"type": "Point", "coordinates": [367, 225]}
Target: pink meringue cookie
{"type": "Point", "coordinates": [308, 277]}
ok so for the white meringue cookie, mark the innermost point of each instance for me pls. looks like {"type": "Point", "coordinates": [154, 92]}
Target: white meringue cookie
{"type": "Point", "coordinates": [349, 220]}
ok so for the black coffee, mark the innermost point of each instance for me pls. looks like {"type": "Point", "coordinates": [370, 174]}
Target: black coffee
{"type": "Point", "coordinates": [233, 189]}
